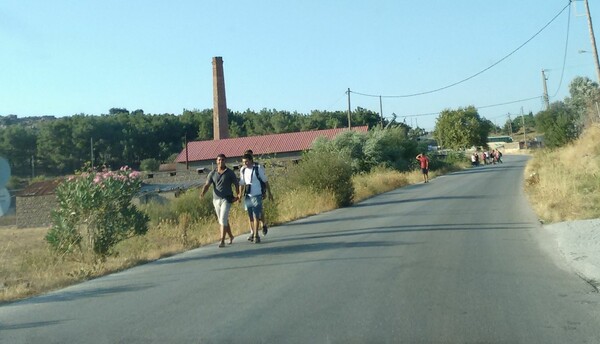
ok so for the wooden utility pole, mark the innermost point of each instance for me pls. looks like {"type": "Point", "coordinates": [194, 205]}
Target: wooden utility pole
{"type": "Point", "coordinates": [349, 110]}
{"type": "Point", "coordinates": [92, 152]}
{"type": "Point", "coordinates": [187, 159]}
{"type": "Point", "coordinates": [524, 131]}
{"type": "Point", "coordinates": [546, 99]}
{"type": "Point", "coordinates": [593, 39]}
{"type": "Point", "coordinates": [381, 111]}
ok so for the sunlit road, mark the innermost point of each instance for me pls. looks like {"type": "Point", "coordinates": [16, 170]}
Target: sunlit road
{"type": "Point", "coordinates": [457, 260]}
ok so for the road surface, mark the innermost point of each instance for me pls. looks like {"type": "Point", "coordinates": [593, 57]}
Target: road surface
{"type": "Point", "coordinates": [458, 260]}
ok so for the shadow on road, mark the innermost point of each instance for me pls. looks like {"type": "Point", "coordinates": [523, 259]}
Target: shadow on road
{"type": "Point", "coordinates": [31, 325]}
{"type": "Point", "coordinates": [68, 295]}
{"type": "Point", "coordinates": [282, 244]}
{"type": "Point", "coordinates": [412, 200]}
{"type": "Point", "coordinates": [486, 169]}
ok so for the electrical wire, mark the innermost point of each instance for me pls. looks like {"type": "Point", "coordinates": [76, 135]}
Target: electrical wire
{"type": "Point", "coordinates": [474, 75]}
{"type": "Point", "coordinates": [477, 107]}
{"type": "Point", "coordinates": [562, 73]}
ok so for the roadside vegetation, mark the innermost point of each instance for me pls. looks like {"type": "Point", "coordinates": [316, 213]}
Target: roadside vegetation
{"type": "Point", "coordinates": [31, 266]}
{"type": "Point", "coordinates": [562, 181]}
{"type": "Point", "coordinates": [564, 184]}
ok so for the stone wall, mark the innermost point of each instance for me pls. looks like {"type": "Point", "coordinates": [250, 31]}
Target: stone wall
{"type": "Point", "coordinates": [35, 211]}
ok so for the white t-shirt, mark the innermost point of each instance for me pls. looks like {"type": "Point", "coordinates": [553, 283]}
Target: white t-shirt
{"type": "Point", "coordinates": [247, 176]}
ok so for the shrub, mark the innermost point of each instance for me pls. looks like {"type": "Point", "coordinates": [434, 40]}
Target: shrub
{"type": "Point", "coordinates": [96, 206]}
{"type": "Point", "coordinates": [389, 148]}
{"type": "Point", "coordinates": [191, 203]}
{"type": "Point", "coordinates": [324, 171]}
{"type": "Point", "coordinates": [149, 165]}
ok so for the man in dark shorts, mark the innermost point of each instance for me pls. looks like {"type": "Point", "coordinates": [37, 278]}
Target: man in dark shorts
{"type": "Point", "coordinates": [222, 179]}
{"type": "Point", "coordinates": [424, 161]}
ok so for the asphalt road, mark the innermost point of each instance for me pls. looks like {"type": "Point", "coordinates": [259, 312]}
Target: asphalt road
{"type": "Point", "coordinates": [458, 260]}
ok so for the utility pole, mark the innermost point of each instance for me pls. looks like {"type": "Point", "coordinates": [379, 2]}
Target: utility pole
{"type": "Point", "coordinates": [509, 126]}
{"type": "Point", "coordinates": [92, 151]}
{"type": "Point", "coordinates": [381, 111]}
{"type": "Point", "coordinates": [349, 110]}
{"type": "Point", "coordinates": [524, 131]}
{"type": "Point", "coordinates": [593, 39]}
{"type": "Point", "coordinates": [187, 160]}
{"type": "Point", "coordinates": [546, 99]}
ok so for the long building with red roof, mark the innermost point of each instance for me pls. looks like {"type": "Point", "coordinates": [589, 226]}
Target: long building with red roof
{"type": "Point", "coordinates": [289, 146]}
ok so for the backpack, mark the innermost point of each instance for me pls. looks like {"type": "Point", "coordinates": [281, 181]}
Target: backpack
{"type": "Point", "coordinates": [262, 183]}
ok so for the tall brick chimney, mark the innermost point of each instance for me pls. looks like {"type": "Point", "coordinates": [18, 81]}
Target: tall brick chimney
{"type": "Point", "coordinates": [221, 128]}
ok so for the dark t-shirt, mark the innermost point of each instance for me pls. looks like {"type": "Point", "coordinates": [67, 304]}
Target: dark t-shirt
{"type": "Point", "coordinates": [222, 183]}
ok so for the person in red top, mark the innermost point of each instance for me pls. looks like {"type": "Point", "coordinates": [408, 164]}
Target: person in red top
{"type": "Point", "coordinates": [424, 160]}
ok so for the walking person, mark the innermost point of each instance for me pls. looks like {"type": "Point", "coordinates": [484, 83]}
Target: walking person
{"type": "Point", "coordinates": [424, 161]}
{"type": "Point", "coordinates": [222, 179]}
{"type": "Point", "coordinates": [263, 222]}
{"type": "Point", "coordinates": [253, 185]}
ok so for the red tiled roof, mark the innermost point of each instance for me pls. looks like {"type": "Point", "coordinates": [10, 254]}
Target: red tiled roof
{"type": "Point", "coordinates": [266, 144]}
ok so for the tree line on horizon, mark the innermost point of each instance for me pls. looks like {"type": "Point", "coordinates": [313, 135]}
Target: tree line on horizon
{"type": "Point", "coordinates": [48, 146]}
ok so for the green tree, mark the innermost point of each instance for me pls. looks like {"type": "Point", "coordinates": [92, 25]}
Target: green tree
{"type": "Point", "coordinates": [460, 129]}
{"type": "Point", "coordinates": [389, 147]}
{"type": "Point", "coordinates": [18, 146]}
{"type": "Point", "coordinates": [584, 101]}
{"type": "Point", "coordinates": [558, 125]}
{"type": "Point", "coordinates": [149, 165]}
{"type": "Point", "coordinates": [349, 145]}
{"type": "Point", "coordinates": [55, 147]}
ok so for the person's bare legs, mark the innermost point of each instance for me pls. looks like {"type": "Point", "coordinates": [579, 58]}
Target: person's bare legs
{"type": "Point", "coordinates": [254, 224]}
{"type": "Point", "coordinates": [228, 231]}
{"type": "Point", "coordinates": [222, 244]}
{"type": "Point", "coordinates": [264, 224]}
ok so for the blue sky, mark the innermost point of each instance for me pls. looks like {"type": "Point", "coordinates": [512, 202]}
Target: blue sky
{"type": "Point", "coordinates": [63, 57]}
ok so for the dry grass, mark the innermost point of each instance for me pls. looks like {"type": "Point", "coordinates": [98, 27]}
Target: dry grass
{"type": "Point", "coordinates": [564, 184]}
{"type": "Point", "coordinates": [29, 268]}
{"type": "Point", "coordinates": [379, 181]}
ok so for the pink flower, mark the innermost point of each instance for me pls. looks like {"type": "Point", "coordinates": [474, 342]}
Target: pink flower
{"type": "Point", "coordinates": [134, 175]}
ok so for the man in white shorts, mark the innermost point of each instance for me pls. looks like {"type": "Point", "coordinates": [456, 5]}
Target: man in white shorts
{"type": "Point", "coordinates": [222, 179]}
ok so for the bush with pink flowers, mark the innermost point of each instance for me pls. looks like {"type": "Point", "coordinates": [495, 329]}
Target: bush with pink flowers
{"type": "Point", "coordinates": [95, 212]}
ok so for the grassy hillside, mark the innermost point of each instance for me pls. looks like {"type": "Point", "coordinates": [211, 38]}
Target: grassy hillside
{"type": "Point", "coordinates": [564, 184]}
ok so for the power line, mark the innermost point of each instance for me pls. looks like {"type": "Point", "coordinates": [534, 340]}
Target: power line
{"type": "Point", "coordinates": [562, 73]}
{"type": "Point", "coordinates": [474, 75]}
{"type": "Point", "coordinates": [477, 107]}
{"type": "Point", "coordinates": [511, 102]}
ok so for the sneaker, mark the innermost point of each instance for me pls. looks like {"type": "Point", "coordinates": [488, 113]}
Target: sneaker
{"type": "Point", "coordinates": [251, 238]}
{"type": "Point", "coordinates": [257, 240]}
{"type": "Point", "coordinates": [265, 230]}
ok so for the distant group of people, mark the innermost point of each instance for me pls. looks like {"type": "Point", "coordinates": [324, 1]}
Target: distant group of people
{"type": "Point", "coordinates": [486, 157]}
{"type": "Point", "coordinates": [251, 188]}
